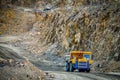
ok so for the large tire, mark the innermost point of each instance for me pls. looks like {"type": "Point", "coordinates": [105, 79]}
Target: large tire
{"type": "Point", "coordinates": [71, 67]}
{"type": "Point", "coordinates": [88, 70]}
{"type": "Point", "coordinates": [67, 67]}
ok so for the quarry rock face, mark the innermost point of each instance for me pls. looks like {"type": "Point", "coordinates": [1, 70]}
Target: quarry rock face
{"type": "Point", "coordinates": [87, 28]}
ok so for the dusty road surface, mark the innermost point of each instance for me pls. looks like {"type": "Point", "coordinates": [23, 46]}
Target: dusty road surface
{"type": "Point", "coordinates": [57, 75]}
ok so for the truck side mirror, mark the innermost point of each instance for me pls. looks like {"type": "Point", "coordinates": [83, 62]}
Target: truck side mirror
{"type": "Point", "coordinates": [92, 57]}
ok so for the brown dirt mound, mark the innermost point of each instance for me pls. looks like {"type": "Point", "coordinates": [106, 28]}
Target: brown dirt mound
{"type": "Point", "coordinates": [19, 70]}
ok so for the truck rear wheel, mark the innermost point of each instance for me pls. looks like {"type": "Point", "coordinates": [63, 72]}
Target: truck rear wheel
{"type": "Point", "coordinates": [88, 70]}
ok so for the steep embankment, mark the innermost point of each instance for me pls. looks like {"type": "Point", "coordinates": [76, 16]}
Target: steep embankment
{"type": "Point", "coordinates": [92, 28]}
{"type": "Point", "coordinates": [14, 66]}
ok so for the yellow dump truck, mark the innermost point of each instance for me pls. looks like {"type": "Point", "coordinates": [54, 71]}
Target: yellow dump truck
{"type": "Point", "coordinates": [80, 60]}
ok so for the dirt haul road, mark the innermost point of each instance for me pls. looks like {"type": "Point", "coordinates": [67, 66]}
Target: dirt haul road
{"type": "Point", "coordinates": [62, 75]}
{"type": "Point", "coordinates": [57, 75]}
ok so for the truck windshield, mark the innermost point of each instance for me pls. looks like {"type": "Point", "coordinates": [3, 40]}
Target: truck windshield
{"type": "Point", "coordinates": [87, 56]}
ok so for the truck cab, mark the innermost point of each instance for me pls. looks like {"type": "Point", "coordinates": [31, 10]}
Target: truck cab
{"type": "Point", "coordinates": [79, 60]}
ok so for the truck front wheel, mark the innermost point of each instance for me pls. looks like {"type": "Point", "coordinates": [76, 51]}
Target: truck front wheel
{"type": "Point", "coordinates": [71, 67]}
